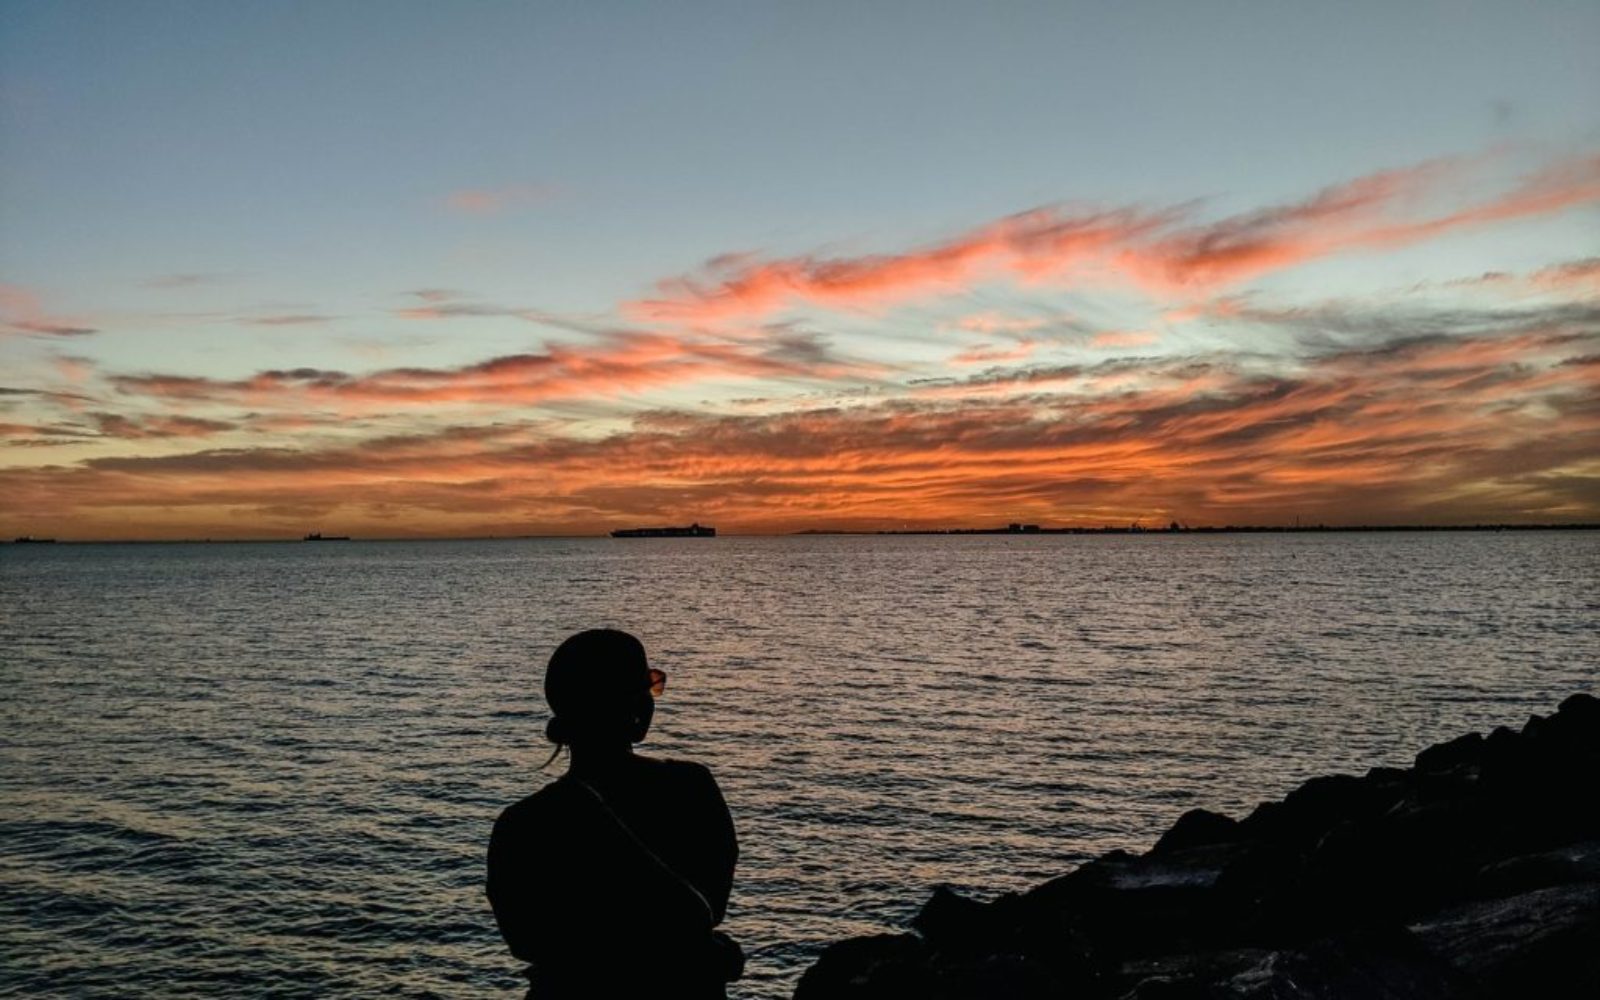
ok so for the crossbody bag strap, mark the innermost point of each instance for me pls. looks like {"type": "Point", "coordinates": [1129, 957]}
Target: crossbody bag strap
{"type": "Point", "coordinates": [649, 852]}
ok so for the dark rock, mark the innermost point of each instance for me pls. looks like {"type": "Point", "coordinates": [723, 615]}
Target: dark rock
{"type": "Point", "coordinates": [1448, 785]}
{"type": "Point", "coordinates": [1581, 710]}
{"type": "Point", "coordinates": [1544, 943]}
{"type": "Point", "coordinates": [1575, 726]}
{"type": "Point", "coordinates": [879, 967]}
{"type": "Point", "coordinates": [1444, 756]}
{"type": "Point", "coordinates": [1476, 874]}
{"type": "Point", "coordinates": [1182, 974]}
{"type": "Point", "coordinates": [1160, 988]}
{"type": "Point", "coordinates": [1197, 828]}
{"type": "Point", "coordinates": [1309, 812]}
{"type": "Point", "coordinates": [1005, 975]}
{"type": "Point", "coordinates": [1563, 866]}
{"type": "Point", "coordinates": [1120, 908]}
{"type": "Point", "coordinates": [1387, 966]}
{"type": "Point", "coordinates": [1384, 868]}
{"type": "Point", "coordinates": [1505, 754]}
{"type": "Point", "coordinates": [950, 922]}
{"type": "Point", "coordinates": [1248, 880]}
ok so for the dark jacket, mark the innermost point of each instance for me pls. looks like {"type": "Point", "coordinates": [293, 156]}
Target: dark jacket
{"type": "Point", "coordinates": [589, 909]}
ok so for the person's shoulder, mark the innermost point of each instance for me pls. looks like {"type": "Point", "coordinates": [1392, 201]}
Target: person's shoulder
{"type": "Point", "coordinates": [668, 767]}
{"type": "Point", "coordinates": [530, 809]}
{"type": "Point", "coordinates": [686, 774]}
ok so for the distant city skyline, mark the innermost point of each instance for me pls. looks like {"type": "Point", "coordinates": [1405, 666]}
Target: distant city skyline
{"type": "Point", "coordinates": [534, 269]}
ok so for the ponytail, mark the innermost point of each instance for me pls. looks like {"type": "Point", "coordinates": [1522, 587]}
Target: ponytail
{"type": "Point", "coordinates": [556, 732]}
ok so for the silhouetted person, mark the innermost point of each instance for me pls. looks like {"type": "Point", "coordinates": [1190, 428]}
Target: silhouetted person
{"type": "Point", "coordinates": [609, 881]}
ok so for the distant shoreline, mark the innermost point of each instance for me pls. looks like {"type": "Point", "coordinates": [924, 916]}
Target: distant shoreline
{"type": "Point", "coordinates": [1230, 529]}
{"type": "Point", "coordinates": [1018, 530]}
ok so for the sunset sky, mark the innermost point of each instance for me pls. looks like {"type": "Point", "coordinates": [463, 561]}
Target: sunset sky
{"type": "Point", "coordinates": [396, 269]}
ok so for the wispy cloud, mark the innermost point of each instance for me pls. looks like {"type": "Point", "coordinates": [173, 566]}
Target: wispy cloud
{"type": "Point", "coordinates": [288, 319]}
{"type": "Point", "coordinates": [742, 287]}
{"type": "Point", "coordinates": [1481, 417]}
{"type": "Point", "coordinates": [623, 362]}
{"type": "Point", "coordinates": [440, 304]}
{"type": "Point", "coordinates": [1579, 277]}
{"type": "Point", "coordinates": [21, 312]}
{"type": "Point", "coordinates": [11, 430]}
{"type": "Point", "coordinates": [499, 200]}
{"type": "Point", "coordinates": [993, 322]}
{"type": "Point", "coordinates": [1112, 339]}
{"type": "Point", "coordinates": [92, 426]}
{"type": "Point", "coordinates": [188, 280]}
{"type": "Point", "coordinates": [116, 425]}
{"type": "Point", "coordinates": [1160, 250]}
{"type": "Point", "coordinates": [434, 294]}
{"type": "Point", "coordinates": [990, 353]}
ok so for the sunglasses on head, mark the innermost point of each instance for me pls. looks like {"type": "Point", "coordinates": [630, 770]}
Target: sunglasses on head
{"type": "Point", "coordinates": [658, 682]}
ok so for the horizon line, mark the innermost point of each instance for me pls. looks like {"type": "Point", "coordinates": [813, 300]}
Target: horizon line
{"type": "Point", "coordinates": [1007, 530]}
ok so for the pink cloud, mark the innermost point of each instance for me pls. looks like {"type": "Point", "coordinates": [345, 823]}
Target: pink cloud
{"type": "Point", "coordinates": [494, 201]}
{"type": "Point", "coordinates": [1580, 276]}
{"type": "Point", "coordinates": [1576, 277]}
{"type": "Point", "coordinates": [1110, 339]}
{"type": "Point", "coordinates": [21, 311]}
{"type": "Point", "coordinates": [989, 353]}
{"type": "Point", "coordinates": [992, 322]}
{"type": "Point", "coordinates": [74, 369]}
{"type": "Point", "coordinates": [288, 319]}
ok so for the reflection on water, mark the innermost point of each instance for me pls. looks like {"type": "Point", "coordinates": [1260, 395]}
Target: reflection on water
{"type": "Point", "coordinates": [276, 765]}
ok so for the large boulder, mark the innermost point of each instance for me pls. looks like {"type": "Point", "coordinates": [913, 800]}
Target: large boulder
{"type": "Point", "coordinates": [879, 967]}
{"type": "Point", "coordinates": [1544, 943]}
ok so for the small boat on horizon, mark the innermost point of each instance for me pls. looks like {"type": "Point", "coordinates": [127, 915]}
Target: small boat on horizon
{"type": "Point", "coordinates": [696, 530]}
{"type": "Point", "coordinates": [30, 540]}
{"type": "Point", "coordinates": [317, 536]}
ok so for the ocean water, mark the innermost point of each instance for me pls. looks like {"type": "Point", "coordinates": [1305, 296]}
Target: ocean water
{"type": "Point", "coordinates": [271, 769]}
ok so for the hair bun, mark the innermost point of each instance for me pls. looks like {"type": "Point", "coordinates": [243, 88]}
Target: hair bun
{"type": "Point", "coordinates": [556, 731]}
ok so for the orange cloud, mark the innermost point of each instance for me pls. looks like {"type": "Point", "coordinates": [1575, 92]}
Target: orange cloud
{"type": "Point", "coordinates": [1110, 339]}
{"type": "Point", "coordinates": [991, 322]}
{"type": "Point", "coordinates": [1149, 248]}
{"type": "Point", "coordinates": [1490, 427]}
{"type": "Point", "coordinates": [1577, 279]}
{"type": "Point", "coordinates": [741, 287]}
{"type": "Point", "coordinates": [1579, 276]}
{"type": "Point", "coordinates": [28, 431]}
{"type": "Point", "coordinates": [624, 362]}
{"type": "Point", "coordinates": [1337, 414]}
{"type": "Point", "coordinates": [101, 425]}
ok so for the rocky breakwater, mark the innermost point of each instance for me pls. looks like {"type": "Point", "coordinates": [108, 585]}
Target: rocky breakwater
{"type": "Point", "coordinates": [1474, 873]}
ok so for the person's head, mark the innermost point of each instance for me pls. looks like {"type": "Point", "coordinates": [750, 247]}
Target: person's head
{"type": "Point", "coordinates": [601, 690]}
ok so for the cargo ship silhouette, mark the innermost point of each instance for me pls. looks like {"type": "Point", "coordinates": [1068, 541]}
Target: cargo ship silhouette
{"type": "Point", "coordinates": [695, 530]}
